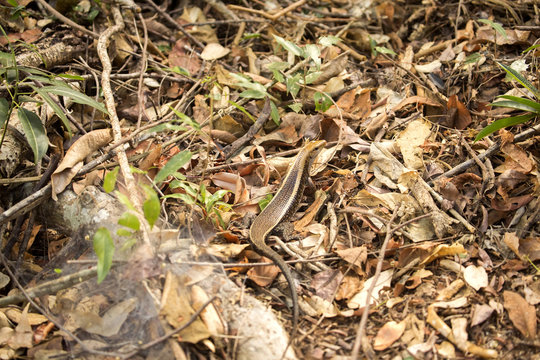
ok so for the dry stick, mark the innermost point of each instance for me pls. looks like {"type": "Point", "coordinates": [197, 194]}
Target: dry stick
{"type": "Point", "coordinates": [175, 24]}
{"type": "Point", "coordinates": [144, 67]}
{"type": "Point", "coordinates": [254, 129]}
{"type": "Point", "coordinates": [67, 21]}
{"type": "Point", "coordinates": [389, 232]}
{"type": "Point", "coordinates": [50, 287]}
{"type": "Point", "coordinates": [115, 122]}
{"type": "Point", "coordinates": [490, 151]}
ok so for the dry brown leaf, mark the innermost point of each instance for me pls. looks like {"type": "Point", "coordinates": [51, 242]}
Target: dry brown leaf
{"type": "Point", "coordinates": [476, 277]}
{"type": "Point", "coordinates": [234, 183]}
{"type": "Point", "coordinates": [214, 51]}
{"type": "Point", "coordinates": [326, 282]}
{"type": "Point", "coordinates": [209, 315]}
{"type": "Point", "coordinates": [22, 337]}
{"type": "Point", "coordinates": [360, 300]}
{"type": "Point", "coordinates": [110, 322]}
{"type": "Point", "coordinates": [177, 310]}
{"type": "Point", "coordinates": [480, 313]}
{"type": "Point", "coordinates": [522, 314]}
{"type": "Point", "coordinates": [263, 275]}
{"type": "Point", "coordinates": [511, 204]}
{"type": "Point", "coordinates": [86, 145]}
{"type": "Point", "coordinates": [356, 256]}
{"type": "Point", "coordinates": [388, 334]}
{"type": "Point", "coordinates": [409, 141]}
{"type": "Point", "coordinates": [460, 117]}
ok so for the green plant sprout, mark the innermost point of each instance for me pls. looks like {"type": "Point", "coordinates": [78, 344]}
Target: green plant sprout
{"type": "Point", "coordinates": [43, 84]}
{"type": "Point", "coordinates": [531, 107]}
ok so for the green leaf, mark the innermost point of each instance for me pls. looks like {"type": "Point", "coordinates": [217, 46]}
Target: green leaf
{"type": "Point", "coordinates": [265, 201]}
{"type": "Point", "coordinates": [329, 40]}
{"type": "Point", "coordinates": [35, 133]}
{"type": "Point", "coordinates": [530, 48]}
{"type": "Point", "coordinates": [184, 119]}
{"type": "Point", "coordinates": [215, 197]}
{"type": "Point", "coordinates": [109, 182]}
{"type": "Point", "coordinates": [514, 105]}
{"type": "Point", "coordinates": [54, 106]}
{"type": "Point", "coordinates": [242, 109]}
{"type": "Point", "coordinates": [524, 101]}
{"type": "Point", "coordinates": [174, 163]}
{"type": "Point", "coordinates": [184, 197]}
{"type": "Point", "coordinates": [312, 76]}
{"type": "Point", "coordinates": [4, 112]}
{"type": "Point", "coordinates": [179, 70]}
{"type": "Point", "coordinates": [289, 46]}
{"type": "Point", "coordinates": [471, 59]}
{"type": "Point", "coordinates": [168, 126]}
{"type": "Point", "coordinates": [104, 249]}
{"type": "Point", "coordinates": [314, 53]}
{"type": "Point", "coordinates": [253, 94]}
{"type": "Point", "coordinates": [71, 77]}
{"type": "Point", "coordinates": [519, 78]}
{"type": "Point", "coordinates": [496, 26]}
{"type": "Point", "coordinates": [248, 36]}
{"type": "Point", "coordinates": [124, 200]}
{"type": "Point", "coordinates": [293, 86]}
{"type": "Point", "coordinates": [384, 50]}
{"type": "Point", "coordinates": [124, 232]}
{"type": "Point", "coordinates": [296, 107]}
{"type": "Point", "coordinates": [76, 96]}
{"type": "Point", "coordinates": [274, 113]}
{"type": "Point", "coordinates": [322, 101]}
{"type": "Point", "coordinates": [151, 206]}
{"type": "Point", "coordinates": [129, 220]}
{"type": "Point", "coordinates": [503, 123]}
{"type": "Point", "coordinates": [276, 68]}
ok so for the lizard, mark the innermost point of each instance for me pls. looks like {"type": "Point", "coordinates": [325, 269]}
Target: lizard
{"type": "Point", "coordinates": [282, 206]}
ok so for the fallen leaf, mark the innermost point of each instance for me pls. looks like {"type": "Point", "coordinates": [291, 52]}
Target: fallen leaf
{"type": "Point", "coordinates": [214, 51]}
{"type": "Point", "coordinates": [476, 277]}
{"type": "Point", "coordinates": [480, 314]}
{"type": "Point", "coordinates": [388, 334]}
{"type": "Point", "coordinates": [522, 314]}
{"type": "Point", "coordinates": [360, 300]}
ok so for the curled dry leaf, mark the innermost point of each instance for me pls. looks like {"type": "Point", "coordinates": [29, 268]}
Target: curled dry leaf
{"type": "Point", "coordinates": [263, 275]}
{"type": "Point", "coordinates": [214, 51]}
{"type": "Point", "coordinates": [480, 314]}
{"type": "Point", "coordinates": [209, 315]}
{"type": "Point", "coordinates": [73, 161]}
{"type": "Point", "coordinates": [476, 277]}
{"type": "Point", "coordinates": [388, 334]}
{"type": "Point", "coordinates": [522, 314]}
{"type": "Point", "coordinates": [360, 300]}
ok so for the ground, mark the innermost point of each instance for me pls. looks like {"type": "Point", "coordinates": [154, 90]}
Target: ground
{"type": "Point", "coordinates": [127, 127]}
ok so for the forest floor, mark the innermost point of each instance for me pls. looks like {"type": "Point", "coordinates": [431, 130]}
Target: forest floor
{"type": "Point", "coordinates": [424, 200]}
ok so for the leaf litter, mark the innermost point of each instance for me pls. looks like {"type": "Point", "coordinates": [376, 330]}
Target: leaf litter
{"type": "Point", "coordinates": [400, 103]}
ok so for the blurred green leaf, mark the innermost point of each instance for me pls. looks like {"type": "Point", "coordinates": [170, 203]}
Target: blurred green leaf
{"type": "Point", "coordinates": [129, 220]}
{"type": "Point", "coordinates": [151, 206]}
{"type": "Point", "coordinates": [109, 182]}
{"type": "Point", "coordinates": [503, 123]}
{"type": "Point", "coordinates": [174, 163]}
{"type": "Point", "coordinates": [104, 249]}
{"type": "Point", "coordinates": [35, 133]}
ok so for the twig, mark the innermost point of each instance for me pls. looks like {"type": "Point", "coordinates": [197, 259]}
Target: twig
{"type": "Point", "coordinates": [254, 129]}
{"type": "Point", "coordinates": [490, 151]}
{"type": "Point", "coordinates": [115, 123]}
{"type": "Point", "coordinates": [362, 326]}
{"type": "Point", "coordinates": [67, 21]}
